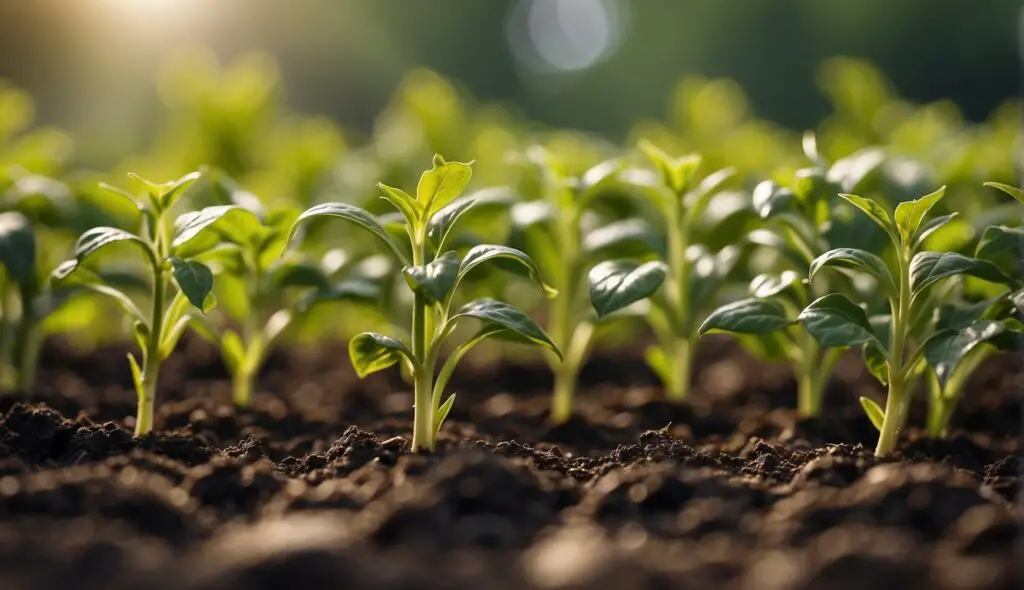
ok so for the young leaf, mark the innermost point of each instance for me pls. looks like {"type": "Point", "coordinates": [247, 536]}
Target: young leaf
{"type": "Point", "coordinates": [406, 205]}
{"type": "Point", "coordinates": [626, 237]}
{"type": "Point", "coordinates": [195, 280]}
{"type": "Point", "coordinates": [875, 361]}
{"type": "Point", "coordinates": [371, 352]}
{"type": "Point", "coordinates": [875, 212]}
{"type": "Point", "coordinates": [442, 183]}
{"type": "Point", "coordinates": [444, 220]}
{"type": "Point", "coordinates": [770, 198]}
{"type": "Point", "coordinates": [517, 323]}
{"type": "Point", "coordinates": [478, 255]}
{"type": "Point", "coordinates": [136, 373]}
{"type": "Point", "coordinates": [97, 238]}
{"type": "Point", "coordinates": [1003, 246]}
{"type": "Point", "coordinates": [747, 316]}
{"type": "Point", "coordinates": [595, 178]}
{"type": "Point", "coordinates": [435, 279]}
{"type": "Point", "coordinates": [931, 226]}
{"type": "Point", "coordinates": [442, 412]}
{"type": "Point", "coordinates": [875, 413]}
{"type": "Point", "coordinates": [927, 268]}
{"type": "Point", "coordinates": [768, 285]}
{"type": "Point", "coordinates": [356, 215]}
{"type": "Point", "coordinates": [166, 193]}
{"type": "Point", "coordinates": [947, 348]}
{"type": "Point", "coordinates": [615, 284]}
{"type": "Point", "coordinates": [1013, 191]}
{"type": "Point", "coordinates": [836, 321]}
{"type": "Point", "coordinates": [17, 247]}
{"type": "Point", "coordinates": [910, 214]}
{"type": "Point", "coordinates": [199, 231]}
{"type": "Point", "coordinates": [856, 259]}
{"type": "Point", "coordinates": [350, 290]}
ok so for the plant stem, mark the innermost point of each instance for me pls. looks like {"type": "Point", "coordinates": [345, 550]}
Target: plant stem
{"type": "Point", "coordinates": [566, 371]}
{"type": "Point", "coordinates": [897, 371]}
{"type": "Point", "coordinates": [677, 294]}
{"type": "Point", "coordinates": [423, 419]}
{"type": "Point", "coordinates": [5, 340]}
{"type": "Point", "coordinates": [242, 384]}
{"type": "Point", "coordinates": [679, 387]}
{"type": "Point", "coordinates": [23, 345]}
{"type": "Point", "coordinates": [811, 380]}
{"type": "Point", "coordinates": [151, 356]}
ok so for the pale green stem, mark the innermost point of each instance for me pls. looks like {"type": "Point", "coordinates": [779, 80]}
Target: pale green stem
{"type": "Point", "coordinates": [568, 371]}
{"type": "Point", "coordinates": [565, 371]}
{"type": "Point", "coordinates": [895, 399]}
{"type": "Point", "coordinates": [23, 342]}
{"type": "Point", "coordinates": [678, 388]}
{"type": "Point", "coordinates": [677, 295]}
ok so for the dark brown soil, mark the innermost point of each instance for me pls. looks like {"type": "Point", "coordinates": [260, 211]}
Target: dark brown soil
{"type": "Point", "coordinates": [315, 486]}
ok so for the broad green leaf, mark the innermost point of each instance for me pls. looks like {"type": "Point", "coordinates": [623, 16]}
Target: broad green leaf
{"type": "Point", "coordinates": [615, 284]}
{"type": "Point", "coordinates": [1003, 246]}
{"type": "Point", "coordinates": [443, 222]}
{"type": "Point", "coordinates": [199, 231]}
{"type": "Point", "coordinates": [910, 214]}
{"type": "Point", "coordinates": [768, 285]}
{"type": "Point", "coordinates": [442, 183]}
{"type": "Point", "coordinates": [410, 209]}
{"type": "Point", "coordinates": [356, 215]}
{"type": "Point", "coordinates": [478, 255]}
{"type": "Point", "coordinates": [17, 247]}
{"type": "Point", "coordinates": [770, 198]}
{"type": "Point", "coordinates": [747, 316]}
{"type": "Point", "coordinates": [442, 413]}
{"type": "Point", "coordinates": [947, 348]}
{"type": "Point", "coordinates": [836, 321]}
{"type": "Point", "coordinates": [435, 279]}
{"type": "Point", "coordinates": [626, 237]}
{"type": "Point", "coordinates": [97, 238]}
{"type": "Point", "coordinates": [371, 352]}
{"type": "Point", "coordinates": [856, 259]}
{"type": "Point", "coordinates": [958, 316]}
{"type": "Point", "coordinates": [195, 280]}
{"type": "Point", "coordinates": [874, 412]}
{"type": "Point", "coordinates": [876, 362]}
{"type": "Point", "coordinates": [1013, 191]}
{"type": "Point", "coordinates": [927, 268]}
{"type": "Point", "coordinates": [500, 314]}
{"type": "Point", "coordinates": [875, 212]}
{"type": "Point", "coordinates": [932, 226]}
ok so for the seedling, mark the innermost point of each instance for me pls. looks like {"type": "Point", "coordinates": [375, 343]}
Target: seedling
{"type": "Point", "coordinates": [246, 244]}
{"type": "Point", "coordinates": [434, 275]}
{"type": "Point", "coordinates": [18, 261]}
{"type": "Point", "coordinates": [556, 233]}
{"type": "Point", "coordinates": [170, 257]}
{"type": "Point", "coordinates": [694, 274]}
{"type": "Point", "coordinates": [797, 223]}
{"type": "Point", "coordinates": [894, 346]}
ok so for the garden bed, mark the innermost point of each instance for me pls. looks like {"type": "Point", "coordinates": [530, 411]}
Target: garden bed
{"type": "Point", "coordinates": [315, 486]}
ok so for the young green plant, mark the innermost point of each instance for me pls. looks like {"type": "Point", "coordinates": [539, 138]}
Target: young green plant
{"type": "Point", "coordinates": [559, 232]}
{"type": "Point", "coordinates": [434, 275]}
{"type": "Point", "coordinates": [169, 256]}
{"type": "Point", "coordinates": [894, 346]}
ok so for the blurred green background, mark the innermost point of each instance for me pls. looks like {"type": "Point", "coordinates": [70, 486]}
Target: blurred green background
{"type": "Point", "coordinates": [598, 65]}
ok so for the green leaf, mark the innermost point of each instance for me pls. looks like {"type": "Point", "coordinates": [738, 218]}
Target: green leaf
{"type": "Point", "coordinates": [836, 321]}
{"type": "Point", "coordinates": [747, 316]}
{"type": "Point", "coordinates": [874, 412]}
{"type": "Point", "coordinates": [770, 198]}
{"type": "Point", "coordinates": [947, 348]}
{"type": "Point", "coordinates": [141, 333]}
{"type": "Point", "coordinates": [298, 273]}
{"type": "Point", "coordinates": [856, 259]}
{"type": "Point", "coordinates": [442, 183]}
{"type": "Point", "coordinates": [1013, 191]}
{"type": "Point", "coordinates": [443, 222]}
{"type": "Point", "coordinates": [615, 284]}
{"type": "Point", "coordinates": [958, 316]}
{"type": "Point", "coordinates": [1003, 246]}
{"type": "Point", "coordinates": [927, 268]}
{"type": "Point", "coordinates": [478, 255]}
{"type": "Point", "coordinates": [172, 334]}
{"type": "Point", "coordinates": [435, 279]}
{"type": "Point", "coordinates": [198, 231]}
{"type": "Point", "coordinates": [596, 177]}
{"type": "Point", "coordinates": [349, 290]}
{"type": "Point", "coordinates": [700, 197]}
{"type": "Point", "coordinates": [17, 247]}
{"type": "Point", "coordinates": [371, 352]}
{"type": "Point", "coordinates": [768, 285]}
{"type": "Point", "coordinates": [626, 237]}
{"type": "Point", "coordinates": [876, 362]}
{"type": "Point", "coordinates": [676, 173]}
{"type": "Point", "coordinates": [356, 215]}
{"type": "Point", "coordinates": [875, 212]}
{"type": "Point", "coordinates": [98, 238]}
{"type": "Point", "coordinates": [932, 226]}
{"type": "Point", "coordinates": [411, 210]}
{"type": "Point", "coordinates": [136, 374]}
{"type": "Point", "coordinates": [910, 214]}
{"type": "Point", "coordinates": [166, 193]}
{"type": "Point", "coordinates": [63, 273]}
{"type": "Point", "coordinates": [503, 315]}
{"type": "Point", "coordinates": [442, 413]}
{"type": "Point", "coordinates": [851, 172]}
{"type": "Point", "coordinates": [195, 280]}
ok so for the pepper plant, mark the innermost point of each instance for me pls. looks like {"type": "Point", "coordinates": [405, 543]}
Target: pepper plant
{"type": "Point", "coordinates": [695, 274]}
{"type": "Point", "coordinates": [560, 231]}
{"type": "Point", "coordinates": [434, 274]}
{"type": "Point", "coordinates": [179, 282]}
{"type": "Point", "coordinates": [798, 226]}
